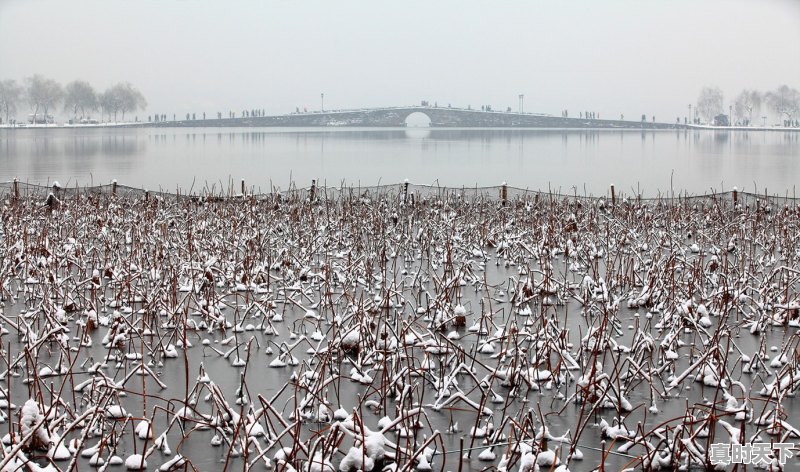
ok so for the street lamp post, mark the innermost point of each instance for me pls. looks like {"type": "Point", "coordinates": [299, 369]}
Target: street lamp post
{"type": "Point", "coordinates": [322, 101]}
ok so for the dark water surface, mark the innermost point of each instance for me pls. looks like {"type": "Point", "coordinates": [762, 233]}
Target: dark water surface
{"type": "Point", "coordinates": [589, 160]}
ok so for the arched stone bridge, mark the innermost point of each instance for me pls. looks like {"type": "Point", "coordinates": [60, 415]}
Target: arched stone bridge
{"type": "Point", "coordinates": [439, 117]}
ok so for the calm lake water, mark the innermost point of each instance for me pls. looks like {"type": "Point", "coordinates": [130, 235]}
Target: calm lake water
{"type": "Point", "coordinates": [697, 161]}
{"type": "Point", "coordinates": [652, 161]}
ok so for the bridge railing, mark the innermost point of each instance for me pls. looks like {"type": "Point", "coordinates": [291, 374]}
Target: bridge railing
{"type": "Point", "coordinates": [407, 107]}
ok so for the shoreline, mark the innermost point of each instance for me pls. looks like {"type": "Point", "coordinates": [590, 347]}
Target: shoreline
{"type": "Point", "coordinates": [740, 128]}
{"type": "Point", "coordinates": [395, 117]}
{"type": "Point", "coordinates": [207, 124]}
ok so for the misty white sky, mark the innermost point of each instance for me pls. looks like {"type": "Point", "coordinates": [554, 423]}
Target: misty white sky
{"type": "Point", "coordinates": [608, 56]}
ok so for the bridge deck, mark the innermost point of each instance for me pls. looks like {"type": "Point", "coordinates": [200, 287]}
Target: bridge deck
{"type": "Point", "coordinates": [439, 117]}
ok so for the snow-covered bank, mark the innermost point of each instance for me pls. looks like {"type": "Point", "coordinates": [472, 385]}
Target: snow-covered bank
{"type": "Point", "coordinates": [67, 125]}
{"type": "Point", "coordinates": [744, 128]}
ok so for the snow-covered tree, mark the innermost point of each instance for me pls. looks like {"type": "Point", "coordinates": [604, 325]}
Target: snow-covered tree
{"type": "Point", "coordinates": [709, 103]}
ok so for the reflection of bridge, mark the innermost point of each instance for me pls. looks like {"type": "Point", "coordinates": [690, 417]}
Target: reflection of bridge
{"type": "Point", "coordinates": [438, 116]}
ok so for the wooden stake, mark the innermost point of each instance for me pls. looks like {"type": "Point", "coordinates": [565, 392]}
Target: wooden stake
{"type": "Point", "coordinates": [613, 196]}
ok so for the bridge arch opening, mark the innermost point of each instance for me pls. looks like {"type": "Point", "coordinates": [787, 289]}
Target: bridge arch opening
{"type": "Point", "coordinates": [418, 120]}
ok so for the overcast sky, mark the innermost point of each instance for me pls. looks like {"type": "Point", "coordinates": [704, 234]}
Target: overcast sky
{"type": "Point", "coordinates": [608, 56]}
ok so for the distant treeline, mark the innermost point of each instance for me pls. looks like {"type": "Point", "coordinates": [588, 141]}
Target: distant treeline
{"type": "Point", "coordinates": [784, 101]}
{"type": "Point", "coordinates": [78, 98]}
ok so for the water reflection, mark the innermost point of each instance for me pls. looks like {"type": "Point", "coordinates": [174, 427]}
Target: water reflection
{"type": "Point", "coordinates": [693, 161]}
{"type": "Point", "coordinates": [418, 133]}
{"type": "Point", "coordinates": [119, 146]}
{"type": "Point", "coordinates": [81, 147]}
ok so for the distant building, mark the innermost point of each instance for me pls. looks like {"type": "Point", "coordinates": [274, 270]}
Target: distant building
{"type": "Point", "coordinates": [721, 120]}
